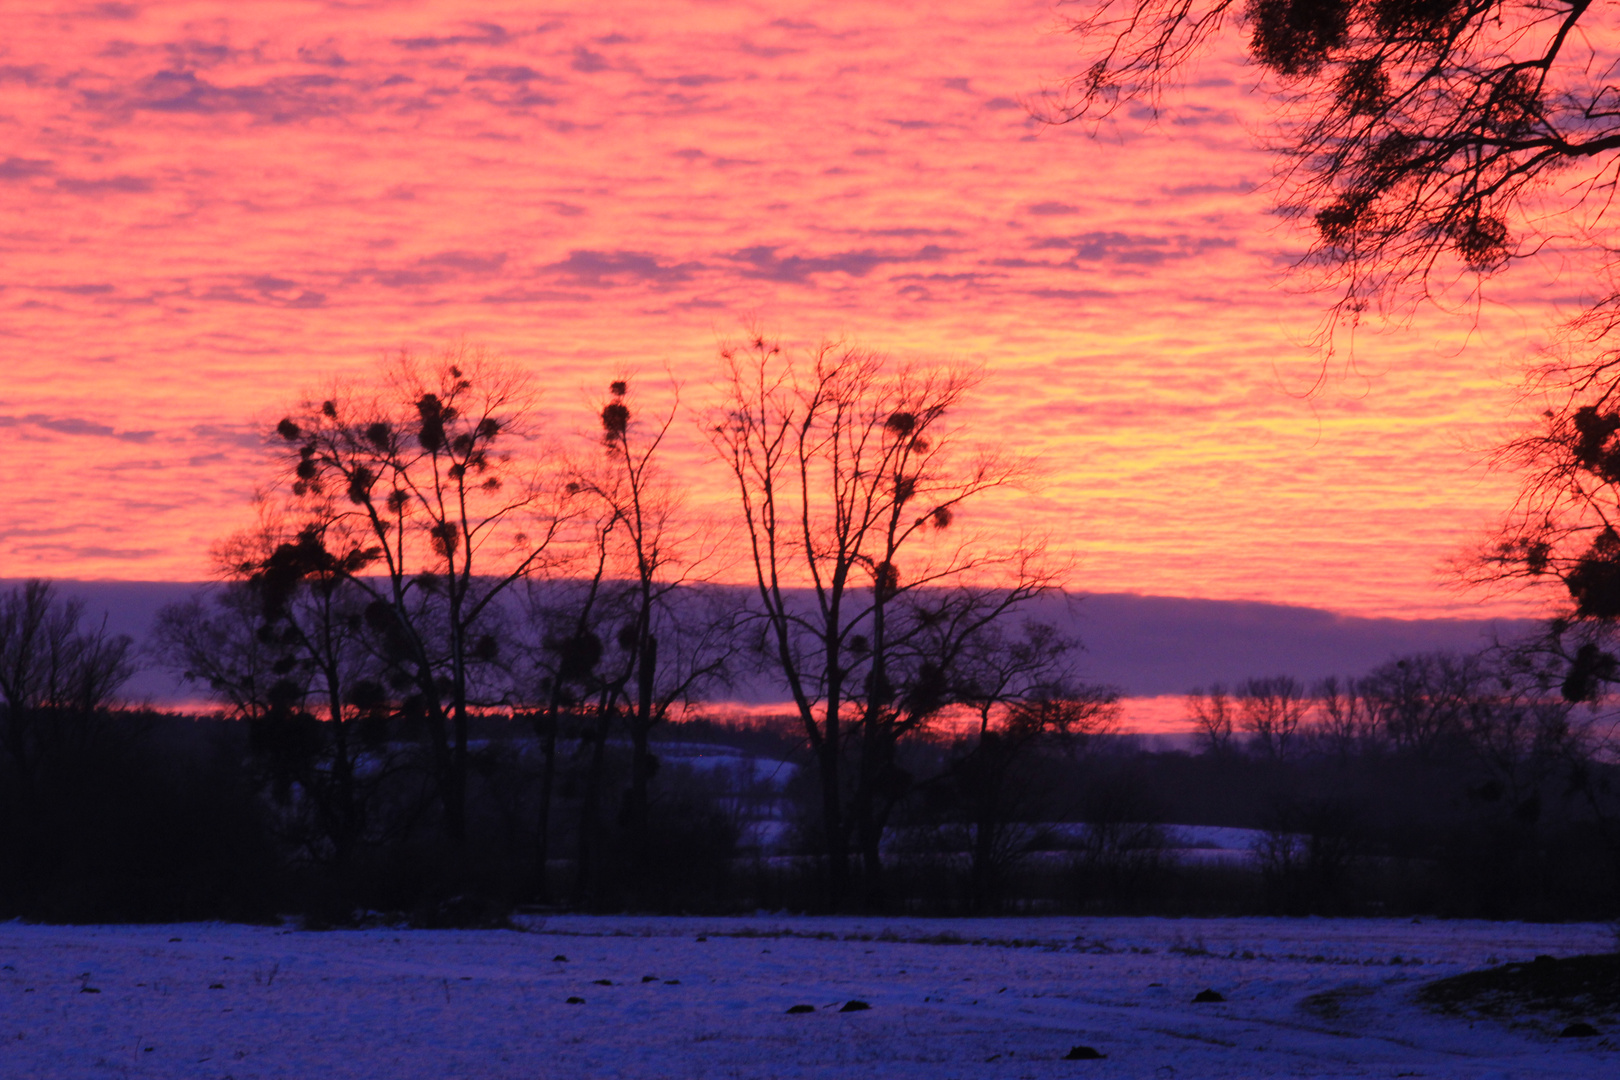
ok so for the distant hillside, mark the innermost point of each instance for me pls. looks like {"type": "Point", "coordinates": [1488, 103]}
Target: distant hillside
{"type": "Point", "coordinates": [1147, 645]}
{"type": "Point", "coordinates": [1167, 645]}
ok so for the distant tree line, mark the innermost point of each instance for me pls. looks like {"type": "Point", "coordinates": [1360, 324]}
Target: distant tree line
{"type": "Point", "coordinates": [1490, 773]}
{"type": "Point", "coordinates": [1434, 784]}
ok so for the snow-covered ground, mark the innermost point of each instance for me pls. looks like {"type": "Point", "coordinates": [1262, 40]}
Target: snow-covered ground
{"type": "Point", "coordinates": [704, 997]}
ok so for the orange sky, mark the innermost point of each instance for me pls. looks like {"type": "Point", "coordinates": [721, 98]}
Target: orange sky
{"type": "Point", "coordinates": [208, 206]}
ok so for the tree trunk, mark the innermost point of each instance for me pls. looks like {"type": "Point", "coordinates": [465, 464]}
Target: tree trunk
{"type": "Point", "coordinates": [868, 830]}
{"type": "Point", "coordinates": [589, 825]}
{"type": "Point", "coordinates": [444, 772]}
{"type": "Point", "coordinates": [642, 767]}
{"type": "Point", "coordinates": [456, 790]}
{"type": "Point", "coordinates": [345, 828]}
{"type": "Point", "coordinates": [546, 727]}
{"type": "Point", "coordinates": [832, 823]}
{"type": "Point", "coordinates": [345, 834]}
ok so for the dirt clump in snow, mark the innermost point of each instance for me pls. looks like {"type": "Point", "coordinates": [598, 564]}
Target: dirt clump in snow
{"type": "Point", "coordinates": [463, 912]}
{"type": "Point", "coordinates": [1332, 1004]}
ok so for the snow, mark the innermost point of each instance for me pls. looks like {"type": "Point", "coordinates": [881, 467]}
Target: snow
{"type": "Point", "coordinates": [993, 998]}
{"type": "Point", "coordinates": [750, 767]}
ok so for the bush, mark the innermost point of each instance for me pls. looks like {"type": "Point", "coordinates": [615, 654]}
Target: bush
{"type": "Point", "coordinates": [153, 822]}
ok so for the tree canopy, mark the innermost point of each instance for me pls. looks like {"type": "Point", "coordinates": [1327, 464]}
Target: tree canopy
{"type": "Point", "coordinates": [1419, 139]}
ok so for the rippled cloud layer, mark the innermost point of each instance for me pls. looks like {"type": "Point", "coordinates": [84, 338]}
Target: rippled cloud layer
{"type": "Point", "coordinates": [208, 207]}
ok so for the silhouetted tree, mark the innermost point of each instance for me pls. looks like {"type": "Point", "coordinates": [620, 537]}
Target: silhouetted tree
{"type": "Point", "coordinates": [953, 652]}
{"type": "Point", "coordinates": [1211, 713]}
{"type": "Point", "coordinates": [1024, 695]}
{"type": "Point", "coordinates": [1423, 703]}
{"type": "Point", "coordinates": [434, 481]}
{"type": "Point", "coordinates": [1418, 137]}
{"type": "Point", "coordinates": [284, 643]}
{"type": "Point", "coordinates": [57, 672]}
{"type": "Point", "coordinates": [849, 481]}
{"type": "Point", "coordinates": [1559, 539]}
{"type": "Point", "coordinates": [1343, 724]}
{"type": "Point", "coordinates": [213, 642]}
{"type": "Point", "coordinates": [1270, 712]}
{"type": "Point", "coordinates": [671, 645]}
{"type": "Point", "coordinates": [1306, 854]}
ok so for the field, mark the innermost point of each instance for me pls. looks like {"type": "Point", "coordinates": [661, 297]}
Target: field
{"type": "Point", "coordinates": [702, 997]}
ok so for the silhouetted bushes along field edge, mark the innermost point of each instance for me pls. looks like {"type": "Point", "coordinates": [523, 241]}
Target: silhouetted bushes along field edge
{"type": "Point", "coordinates": [159, 817]}
{"type": "Point", "coordinates": [347, 775]}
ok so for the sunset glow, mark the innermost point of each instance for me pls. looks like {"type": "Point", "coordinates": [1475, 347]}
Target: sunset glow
{"type": "Point", "coordinates": [209, 208]}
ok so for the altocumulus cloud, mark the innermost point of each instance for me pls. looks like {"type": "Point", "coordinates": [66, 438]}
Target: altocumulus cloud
{"type": "Point", "coordinates": [16, 168]}
{"type": "Point", "coordinates": [125, 184]}
{"type": "Point", "coordinates": [283, 99]}
{"type": "Point", "coordinates": [69, 425]}
{"type": "Point", "coordinates": [1129, 249]}
{"type": "Point", "coordinates": [763, 262]}
{"type": "Point", "coordinates": [266, 289]}
{"type": "Point", "coordinates": [482, 33]}
{"type": "Point", "coordinates": [589, 267]}
{"type": "Point", "coordinates": [442, 267]}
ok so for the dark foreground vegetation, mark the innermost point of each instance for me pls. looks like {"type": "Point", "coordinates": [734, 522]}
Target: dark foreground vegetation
{"type": "Point", "coordinates": [1435, 785]}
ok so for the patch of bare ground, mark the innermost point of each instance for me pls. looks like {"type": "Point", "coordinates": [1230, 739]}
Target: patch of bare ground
{"type": "Point", "coordinates": [1573, 996]}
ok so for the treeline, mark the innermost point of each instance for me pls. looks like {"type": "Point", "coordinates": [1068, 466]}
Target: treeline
{"type": "Point", "coordinates": [1463, 784]}
{"type": "Point", "coordinates": [448, 665]}
{"type": "Point", "coordinates": [1435, 784]}
{"type": "Point", "coordinates": [429, 579]}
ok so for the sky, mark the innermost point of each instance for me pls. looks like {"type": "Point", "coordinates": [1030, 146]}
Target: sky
{"type": "Point", "coordinates": [208, 208]}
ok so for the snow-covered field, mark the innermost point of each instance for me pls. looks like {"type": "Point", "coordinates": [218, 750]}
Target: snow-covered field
{"type": "Point", "coordinates": [700, 997]}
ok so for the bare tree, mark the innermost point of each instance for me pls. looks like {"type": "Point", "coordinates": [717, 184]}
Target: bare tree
{"type": "Point", "coordinates": [1424, 703]}
{"type": "Point", "coordinates": [1025, 696]}
{"type": "Point", "coordinates": [569, 616]}
{"type": "Point", "coordinates": [284, 643]}
{"type": "Point", "coordinates": [1419, 138]}
{"type": "Point", "coordinates": [56, 673]}
{"type": "Point", "coordinates": [671, 646]}
{"type": "Point", "coordinates": [631, 639]}
{"type": "Point", "coordinates": [1270, 712]}
{"type": "Point", "coordinates": [1343, 724]}
{"type": "Point", "coordinates": [1211, 714]}
{"type": "Point", "coordinates": [435, 479]}
{"type": "Point", "coordinates": [952, 649]}
{"type": "Point", "coordinates": [849, 479]}
{"type": "Point", "coordinates": [213, 642]}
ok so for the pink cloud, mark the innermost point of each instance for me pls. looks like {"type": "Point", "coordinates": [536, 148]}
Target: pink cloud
{"type": "Point", "coordinates": [236, 207]}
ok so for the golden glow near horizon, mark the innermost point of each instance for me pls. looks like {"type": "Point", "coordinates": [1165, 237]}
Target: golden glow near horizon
{"type": "Point", "coordinates": [208, 208]}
